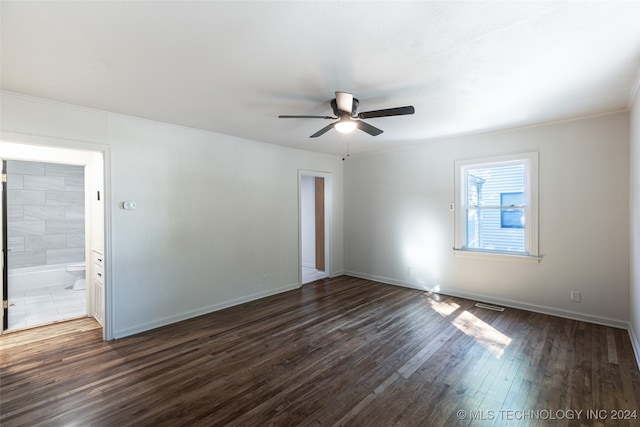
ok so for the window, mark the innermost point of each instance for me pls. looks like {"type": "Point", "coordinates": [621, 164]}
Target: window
{"type": "Point", "coordinates": [497, 201]}
{"type": "Point", "coordinates": [513, 215]}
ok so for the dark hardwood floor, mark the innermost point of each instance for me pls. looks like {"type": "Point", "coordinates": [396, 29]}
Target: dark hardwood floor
{"type": "Point", "coordinates": [341, 351]}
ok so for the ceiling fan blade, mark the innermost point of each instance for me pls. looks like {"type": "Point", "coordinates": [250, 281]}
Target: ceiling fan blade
{"type": "Point", "coordinates": [344, 101]}
{"type": "Point", "coordinates": [371, 130]}
{"type": "Point", "coordinates": [306, 117]}
{"type": "Point", "coordinates": [398, 111]}
{"type": "Point", "coordinates": [323, 131]}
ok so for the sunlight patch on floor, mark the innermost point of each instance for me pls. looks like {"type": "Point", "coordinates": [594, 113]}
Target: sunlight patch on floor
{"type": "Point", "coordinates": [489, 337]}
{"type": "Point", "coordinates": [443, 308]}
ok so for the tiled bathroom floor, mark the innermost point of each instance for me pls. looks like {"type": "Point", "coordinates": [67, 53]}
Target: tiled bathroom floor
{"type": "Point", "coordinates": [46, 305]}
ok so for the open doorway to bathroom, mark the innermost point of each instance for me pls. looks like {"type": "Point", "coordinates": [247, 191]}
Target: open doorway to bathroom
{"type": "Point", "coordinates": [53, 225]}
{"type": "Point", "coordinates": [44, 219]}
{"type": "Point", "coordinates": [315, 216]}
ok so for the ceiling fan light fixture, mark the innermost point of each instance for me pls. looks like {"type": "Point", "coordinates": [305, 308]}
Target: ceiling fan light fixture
{"type": "Point", "coordinates": [346, 126]}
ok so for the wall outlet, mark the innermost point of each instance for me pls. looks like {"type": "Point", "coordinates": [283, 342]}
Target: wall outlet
{"type": "Point", "coordinates": [576, 296]}
{"type": "Point", "coordinates": [452, 207]}
{"type": "Point", "coordinates": [265, 279]}
{"type": "Point", "coordinates": [410, 271]}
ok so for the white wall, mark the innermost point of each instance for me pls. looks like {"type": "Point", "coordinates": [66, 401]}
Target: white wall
{"type": "Point", "coordinates": [396, 217]}
{"type": "Point", "coordinates": [214, 213]}
{"type": "Point", "coordinates": [308, 218]}
{"type": "Point", "coordinates": [634, 300]}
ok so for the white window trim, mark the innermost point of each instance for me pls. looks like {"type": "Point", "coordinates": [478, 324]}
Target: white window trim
{"type": "Point", "coordinates": [531, 210]}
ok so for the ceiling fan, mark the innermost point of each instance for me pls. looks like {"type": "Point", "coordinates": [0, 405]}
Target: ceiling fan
{"type": "Point", "coordinates": [345, 110]}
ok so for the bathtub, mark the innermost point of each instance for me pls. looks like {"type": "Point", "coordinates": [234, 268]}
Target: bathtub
{"type": "Point", "coordinates": [41, 276]}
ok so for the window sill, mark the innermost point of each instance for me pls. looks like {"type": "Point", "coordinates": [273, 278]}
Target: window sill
{"type": "Point", "coordinates": [497, 256]}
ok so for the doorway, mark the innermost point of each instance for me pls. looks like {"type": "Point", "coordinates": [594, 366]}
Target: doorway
{"type": "Point", "coordinates": [52, 223]}
{"type": "Point", "coordinates": [44, 242]}
{"type": "Point", "coordinates": [315, 219]}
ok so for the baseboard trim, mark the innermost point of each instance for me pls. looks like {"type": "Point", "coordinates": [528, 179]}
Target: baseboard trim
{"type": "Point", "coordinates": [635, 343]}
{"type": "Point", "coordinates": [200, 311]}
{"type": "Point", "coordinates": [598, 320]}
{"type": "Point", "coordinates": [337, 273]}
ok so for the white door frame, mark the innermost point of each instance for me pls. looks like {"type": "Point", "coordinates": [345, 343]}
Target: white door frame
{"type": "Point", "coordinates": [52, 150]}
{"type": "Point", "coordinates": [328, 217]}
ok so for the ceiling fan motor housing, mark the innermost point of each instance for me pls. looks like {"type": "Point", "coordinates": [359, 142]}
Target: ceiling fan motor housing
{"type": "Point", "coordinates": [339, 113]}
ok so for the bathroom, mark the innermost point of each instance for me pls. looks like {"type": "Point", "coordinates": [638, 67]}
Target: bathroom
{"type": "Point", "coordinates": [45, 240]}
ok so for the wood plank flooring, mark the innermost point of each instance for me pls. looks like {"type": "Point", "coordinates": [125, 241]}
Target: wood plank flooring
{"type": "Point", "coordinates": [341, 351]}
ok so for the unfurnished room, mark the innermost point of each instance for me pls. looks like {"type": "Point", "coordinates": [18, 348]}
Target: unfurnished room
{"type": "Point", "coordinates": [320, 213]}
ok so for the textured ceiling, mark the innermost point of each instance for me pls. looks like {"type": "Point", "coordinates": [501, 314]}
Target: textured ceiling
{"type": "Point", "coordinates": [233, 67]}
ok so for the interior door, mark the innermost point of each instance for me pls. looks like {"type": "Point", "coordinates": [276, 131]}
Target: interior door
{"type": "Point", "coordinates": [5, 251]}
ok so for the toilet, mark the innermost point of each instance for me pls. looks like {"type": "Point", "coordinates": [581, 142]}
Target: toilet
{"type": "Point", "coordinates": [78, 270]}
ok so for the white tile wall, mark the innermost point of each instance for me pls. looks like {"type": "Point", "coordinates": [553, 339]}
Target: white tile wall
{"type": "Point", "coordinates": [46, 213]}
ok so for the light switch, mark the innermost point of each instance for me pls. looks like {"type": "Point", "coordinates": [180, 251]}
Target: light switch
{"type": "Point", "coordinates": [128, 205]}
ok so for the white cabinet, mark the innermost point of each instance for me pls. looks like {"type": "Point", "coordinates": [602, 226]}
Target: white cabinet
{"type": "Point", "coordinates": [98, 288]}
